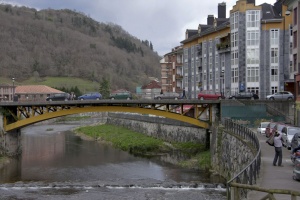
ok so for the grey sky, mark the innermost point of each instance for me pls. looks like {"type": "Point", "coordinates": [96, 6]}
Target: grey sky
{"type": "Point", "coordinates": [163, 22]}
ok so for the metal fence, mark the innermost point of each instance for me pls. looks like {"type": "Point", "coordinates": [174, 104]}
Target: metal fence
{"type": "Point", "coordinates": [250, 173]}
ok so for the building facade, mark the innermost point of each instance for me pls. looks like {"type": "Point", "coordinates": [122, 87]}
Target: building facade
{"type": "Point", "coordinates": [249, 51]}
{"type": "Point", "coordinates": [293, 9]}
{"type": "Point", "coordinates": [172, 71]}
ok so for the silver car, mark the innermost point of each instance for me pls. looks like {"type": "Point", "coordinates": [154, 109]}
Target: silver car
{"type": "Point", "coordinates": [284, 95]}
{"type": "Point", "coordinates": [288, 133]}
{"type": "Point", "coordinates": [168, 95]}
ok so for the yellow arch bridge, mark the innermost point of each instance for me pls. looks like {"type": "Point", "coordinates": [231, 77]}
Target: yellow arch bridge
{"type": "Point", "coordinates": [20, 114]}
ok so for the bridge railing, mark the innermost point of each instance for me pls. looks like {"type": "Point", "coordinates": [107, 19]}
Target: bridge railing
{"type": "Point", "coordinates": [250, 173]}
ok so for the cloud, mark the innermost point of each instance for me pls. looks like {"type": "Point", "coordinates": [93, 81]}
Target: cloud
{"type": "Point", "coordinates": [163, 22]}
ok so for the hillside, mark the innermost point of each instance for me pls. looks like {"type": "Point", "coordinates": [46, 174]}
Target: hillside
{"type": "Point", "coordinates": [64, 43]}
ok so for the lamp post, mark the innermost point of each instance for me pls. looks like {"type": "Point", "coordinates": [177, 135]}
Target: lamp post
{"type": "Point", "coordinates": [13, 80]}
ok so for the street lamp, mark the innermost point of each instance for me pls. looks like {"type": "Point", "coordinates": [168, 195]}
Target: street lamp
{"type": "Point", "coordinates": [13, 80]}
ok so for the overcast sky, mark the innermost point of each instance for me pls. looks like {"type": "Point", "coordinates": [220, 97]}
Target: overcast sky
{"type": "Point", "coordinates": [163, 22]}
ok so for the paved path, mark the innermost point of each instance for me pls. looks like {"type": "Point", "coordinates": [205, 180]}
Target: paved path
{"type": "Point", "coordinates": [274, 177]}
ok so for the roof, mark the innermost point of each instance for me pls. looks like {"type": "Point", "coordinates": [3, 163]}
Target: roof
{"type": "Point", "coordinates": [35, 89]}
{"type": "Point", "coordinates": [153, 84]}
{"type": "Point", "coordinates": [269, 12]}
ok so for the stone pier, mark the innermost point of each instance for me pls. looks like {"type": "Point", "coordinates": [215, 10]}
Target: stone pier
{"type": "Point", "coordinates": [10, 142]}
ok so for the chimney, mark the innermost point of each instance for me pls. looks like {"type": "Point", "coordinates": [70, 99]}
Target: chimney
{"type": "Point", "coordinates": [251, 1]}
{"type": "Point", "coordinates": [222, 10]}
{"type": "Point", "coordinates": [210, 20]}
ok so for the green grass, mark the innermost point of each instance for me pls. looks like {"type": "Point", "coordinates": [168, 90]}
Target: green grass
{"type": "Point", "coordinates": [142, 145]}
{"type": "Point", "coordinates": [122, 138]}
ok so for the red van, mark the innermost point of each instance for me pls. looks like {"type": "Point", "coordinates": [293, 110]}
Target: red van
{"type": "Point", "coordinates": [269, 129]}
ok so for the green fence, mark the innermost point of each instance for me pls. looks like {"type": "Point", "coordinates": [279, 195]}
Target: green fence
{"type": "Point", "coordinates": [250, 113]}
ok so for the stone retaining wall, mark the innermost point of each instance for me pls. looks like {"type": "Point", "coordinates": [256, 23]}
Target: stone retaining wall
{"type": "Point", "coordinates": [230, 153]}
{"type": "Point", "coordinates": [166, 129]}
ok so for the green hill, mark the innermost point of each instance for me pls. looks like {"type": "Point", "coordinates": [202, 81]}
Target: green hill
{"type": "Point", "coordinates": [74, 48]}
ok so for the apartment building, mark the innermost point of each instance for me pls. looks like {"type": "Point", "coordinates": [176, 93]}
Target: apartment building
{"type": "Point", "coordinates": [249, 51]}
{"type": "Point", "coordinates": [293, 7]}
{"type": "Point", "coordinates": [171, 71]}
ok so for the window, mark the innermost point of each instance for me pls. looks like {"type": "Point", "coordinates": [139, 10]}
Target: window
{"type": "Point", "coordinates": [295, 62]}
{"type": "Point", "coordinates": [274, 90]}
{"type": "Point", "coordinates": [274, 73]}
{"type": "Point", "coordinates": [295, 16]}
{"type": "Point", "coordinates": [274, 55]}
{"type": "Point", "coordinates": [295, 39]}
{"type": "Point", "coordinates": [234, 17]}
{"type": "Point", "coordinates": [210, 78]}
{"type": "Point", "coordinates": [210, 47]}
{"type": "Point", "coordinates": [185, 55]}
{"type": "Point", "coordinates": [274, 37]}
{"type": "Point", "coordinates": [234, 75]}
{"type": "Point", "coordinates": [234, 39]}
{"type": "Point", "coordinates": [204, 48]}
{"type": "Point", "coordinates": [216, 60]}
{"type": "Point", "coordinates": [253, 56]}
{"type": "Point", "coordinates": [210, 63]}
{"type": "Point", "coordinates": [253, 18]}
{"type": "Point", "coordinates": [252, 74]}
{"type": "Point", "coordinates": [253, 38]}
{"type": "Point", "coordinates": [223, 61]}
{"type": "Point", "coordinates": [234, 57]}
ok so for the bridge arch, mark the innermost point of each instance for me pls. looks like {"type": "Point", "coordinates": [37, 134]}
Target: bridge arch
{"type": "Point", "coordinates": [84, 109]}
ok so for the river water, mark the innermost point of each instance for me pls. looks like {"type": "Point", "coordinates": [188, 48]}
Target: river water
{"type": "Point", "coordinates": [57, 164]}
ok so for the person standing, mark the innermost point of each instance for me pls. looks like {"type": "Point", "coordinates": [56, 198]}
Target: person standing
{"type": "Point", "coordinates": [278, 149]}
{"type": "Point", "coordinates": [183, 94]}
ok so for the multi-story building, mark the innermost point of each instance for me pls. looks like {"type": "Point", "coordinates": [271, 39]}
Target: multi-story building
{"type": "Point", "coordinates": [171, 71]}
{"type": "Point", "coordinates": [293, 9]}
{"type": "Point", "coordinates": [249, 51]}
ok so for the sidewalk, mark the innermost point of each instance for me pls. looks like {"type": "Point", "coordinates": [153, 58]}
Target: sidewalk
{"type": "Point", "coordinates": [274, 177]}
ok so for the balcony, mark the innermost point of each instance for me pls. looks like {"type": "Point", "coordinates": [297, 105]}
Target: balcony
{"type": "Point", "coordinates": [179, 76]}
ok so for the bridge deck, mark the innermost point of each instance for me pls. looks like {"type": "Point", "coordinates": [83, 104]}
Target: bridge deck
{"type": "Point", "coordinates": [20, 114]}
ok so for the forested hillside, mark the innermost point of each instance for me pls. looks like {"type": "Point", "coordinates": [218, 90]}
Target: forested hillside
{"type": "Point", "coordinates": [62, 43]}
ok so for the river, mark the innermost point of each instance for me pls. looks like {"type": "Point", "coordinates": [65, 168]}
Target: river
{"type": "Point", "coordinates": [57, 164]}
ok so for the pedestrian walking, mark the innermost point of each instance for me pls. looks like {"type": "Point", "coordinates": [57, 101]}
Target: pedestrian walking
{"type": "Point", "coordinates": [183, 94]}
{"type": "Point", "coordinates": [278, 149]}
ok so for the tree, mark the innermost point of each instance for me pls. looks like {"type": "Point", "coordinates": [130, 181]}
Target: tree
{"type": "Point", "coordinates": [104, 88]}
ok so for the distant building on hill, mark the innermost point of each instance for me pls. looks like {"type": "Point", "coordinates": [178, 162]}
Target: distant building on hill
{"type": "Point", "coordinates": [150, 90]}
{"type": "Point", "coordinates": [6, 92]}
{"type": "Point", "coordinates": [34, 92]}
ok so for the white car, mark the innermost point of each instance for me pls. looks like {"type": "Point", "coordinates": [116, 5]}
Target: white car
{"type": "Point", "coordinates": [288, 134]}
{"type": "Point", "coordinates": [262, 127]}
{"type": "Point", "coordinates": [285, 95]}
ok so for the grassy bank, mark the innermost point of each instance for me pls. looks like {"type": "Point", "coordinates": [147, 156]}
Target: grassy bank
{"type": "Point", "coordinates": [143, 145]}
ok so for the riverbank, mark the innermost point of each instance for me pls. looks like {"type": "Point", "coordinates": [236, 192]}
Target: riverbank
{"type": "Point", "coordinates": [141, 145]}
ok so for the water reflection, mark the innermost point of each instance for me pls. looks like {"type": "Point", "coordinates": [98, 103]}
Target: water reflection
{"type": "Point", "coordinates": [53, 153]}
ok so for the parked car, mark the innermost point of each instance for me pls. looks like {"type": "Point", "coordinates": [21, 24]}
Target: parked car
{"type": "Point", "coordinates": [262, 127]}
{"type": "Point", "coordinates": [269, 128]}
{"type": "Point", "coordinates": [210, 95]}
{"type": "Point", "coordinates": [90, 96]}
{"type": "Point", "coordinates": [285, 95]}
{"type": "Point", "coordinates": [167, 95]}
{"type": "Point", "coordinates": [278, 128]}
{"type": "Point", "coordinates": [296, 171]}
{"type": "Point", "coordinates": [120, 95]}
{"type": "Point", "coordinates": [58, 97]}
{"type": "Point", "coordinates": [295, 141]}
{"type": "Point", "coordinates": [244, 95]}
{"type": "Point", "coordinates": [288, 134]}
